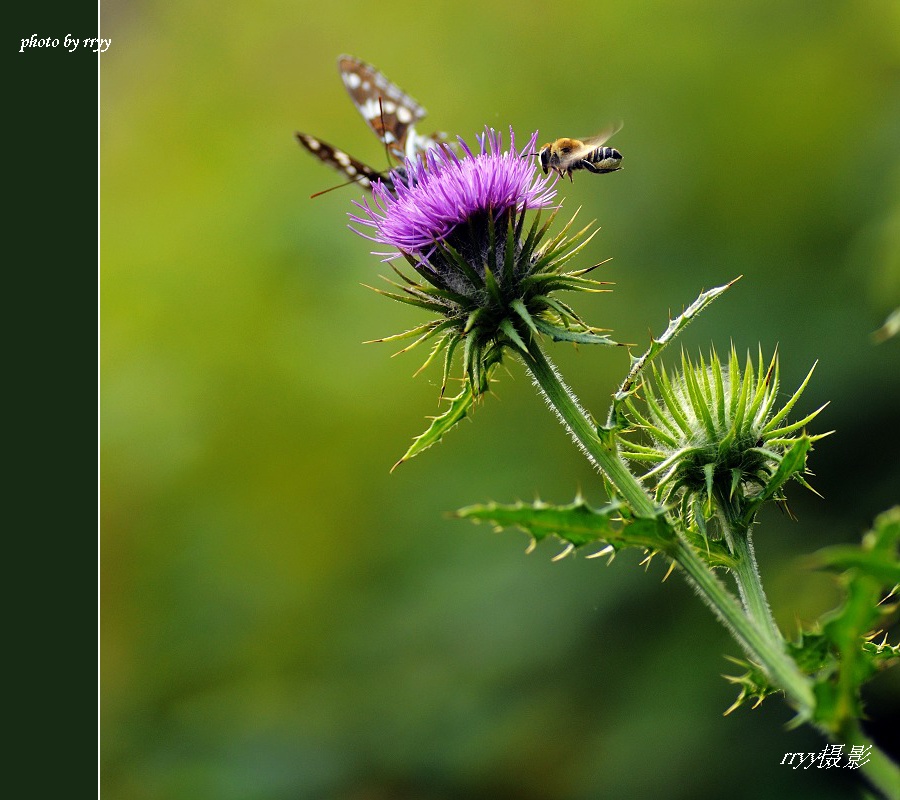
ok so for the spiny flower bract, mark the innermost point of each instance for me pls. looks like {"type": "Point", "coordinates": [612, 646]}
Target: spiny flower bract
{"type": "Point", "coordinates": [717, 437]}
{"type": "Point", "coordinates": [459, 221]}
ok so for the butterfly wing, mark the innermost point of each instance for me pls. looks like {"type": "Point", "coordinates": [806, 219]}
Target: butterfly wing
{"type": "Point", "coordinates": [386, 108]}
{"type": "Point", "coordinates": [344, 163]}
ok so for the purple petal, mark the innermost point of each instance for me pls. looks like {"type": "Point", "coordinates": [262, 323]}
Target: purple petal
{"type": "Point", "coordinates": [446, 190]}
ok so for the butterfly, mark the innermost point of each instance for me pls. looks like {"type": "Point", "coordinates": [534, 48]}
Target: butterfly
{"type": "Point", "coordinates": [389, 112]}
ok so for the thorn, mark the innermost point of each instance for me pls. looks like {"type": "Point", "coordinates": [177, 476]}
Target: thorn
{"type": "Point", "coordinates": [888, 596]}
{"type": "Point", "coordinates": [531, 545]}
{"type": "Point", "coordinates": [668, 572]}
{"type": "Point", "coordinates": [568, 549]}
{"type": "Point", "coordinates": [605, 551]}
{"type": "Point", "coordinates": [816, 493]}
{"type": "Point", "coordinates": [734, 705]}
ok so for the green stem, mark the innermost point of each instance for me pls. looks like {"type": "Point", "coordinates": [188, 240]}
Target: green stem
{"type": "Point", "coordinates": [754, 640]}
{"type": "Point", "coordinates": [880, 771]}
{"type": "Point", "coordinates": [746, 571]}
{"type": "Point", "coordinates": [563, 401]}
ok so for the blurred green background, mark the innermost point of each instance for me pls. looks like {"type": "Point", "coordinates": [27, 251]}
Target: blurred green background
{"type": "Point", "coordinates": [281, 617]}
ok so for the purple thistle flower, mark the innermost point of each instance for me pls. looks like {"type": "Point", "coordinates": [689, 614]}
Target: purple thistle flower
{"type": "Point", "coordinates": [442, 191]}
{"type": "Point", "coordinates": [459, 221]}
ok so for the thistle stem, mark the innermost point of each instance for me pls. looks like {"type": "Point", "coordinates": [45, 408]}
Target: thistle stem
{"type": "Point", "coordinates": [880, 771]}
{"type": "Point", "coordinates": [746, 571]}
{"type": "Point", "coordinates": [563, 401]}
{"type": "Point", "coordinates": [756, 641]}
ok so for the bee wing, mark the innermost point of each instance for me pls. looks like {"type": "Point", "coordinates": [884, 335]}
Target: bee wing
{"type": "Point", "coordinates": [607, 133]}
{"type": "Point", "coordinates": [385, 107]}
{"type": "Point", "coordinates": [569, 154]}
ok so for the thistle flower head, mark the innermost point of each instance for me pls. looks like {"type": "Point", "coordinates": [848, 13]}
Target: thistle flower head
{"type": "Point", "coordinates": [441, 192]}
{"type": "Point", "coordinates": [718, 437]}
{"type": "Point", "coordinates": [459, 221]}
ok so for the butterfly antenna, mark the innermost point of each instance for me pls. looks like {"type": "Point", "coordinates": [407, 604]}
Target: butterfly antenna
{"type": "Point", "coordinates": [339, 186]}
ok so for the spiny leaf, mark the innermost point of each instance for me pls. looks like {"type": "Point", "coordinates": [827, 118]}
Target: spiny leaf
{"type": "Point", "coordinates": [846, 628]}
{"type": "Point", "coordinates": [883, 567]}
{"type": "Point", "coordinates": [882, 654]}
{"type": "Point", "coordinates": [558, 334]}
{"type": "Point", "coordinates": [714, 552]}
{"type": "Point", "coordinates": [792, 464]}
{"type": "Point", "coordinates": [877, 556]}
{"type": "Point", "coordinates": [676, 326]}
{"type": "Point", "coordinates": [577, 523]}
{"type": "Point", "coordinates": [754, 684]}
{"type": "Point", "coordinates": [458, 410]}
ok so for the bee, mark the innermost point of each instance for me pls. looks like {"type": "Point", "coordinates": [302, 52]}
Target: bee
{"type": "Point", "coordinates": [564, 156]}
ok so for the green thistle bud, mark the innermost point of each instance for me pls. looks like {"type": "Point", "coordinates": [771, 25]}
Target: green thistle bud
{"type": "Point", "coordinates": [718, 439]}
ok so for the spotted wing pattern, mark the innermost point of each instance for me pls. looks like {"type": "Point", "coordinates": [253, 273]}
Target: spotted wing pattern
{"type": "Point", "coordinates": [355, 170]}
{"type": "Point", "coordinates": [386, 108]}
{"type": "Point", "coordinates": [388, 111]}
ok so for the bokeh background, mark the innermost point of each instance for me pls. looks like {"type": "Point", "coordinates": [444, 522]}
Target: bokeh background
{"type": "Point", "coordinates": [282, 617]}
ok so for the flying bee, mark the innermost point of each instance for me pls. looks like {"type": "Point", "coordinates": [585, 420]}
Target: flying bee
{"type": "Point", "coordinates": [564, 156]}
